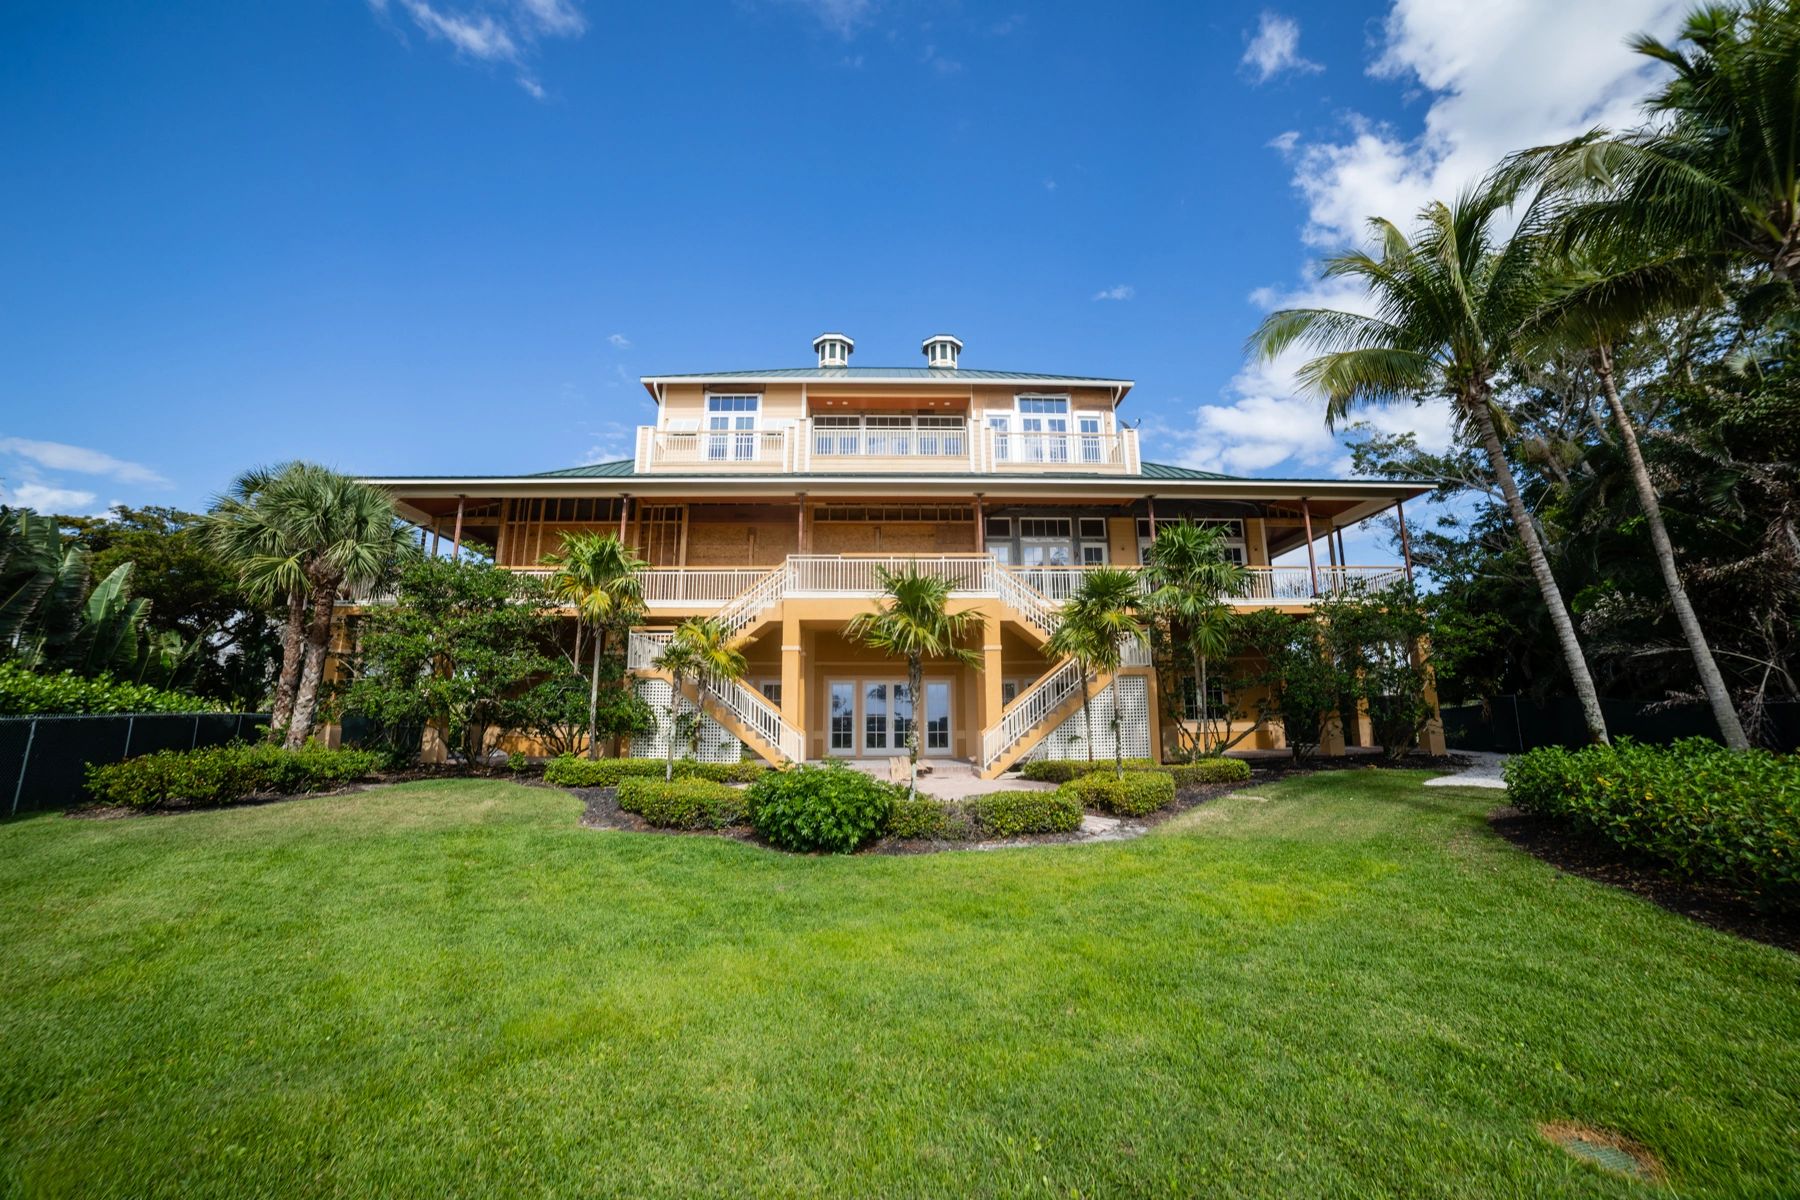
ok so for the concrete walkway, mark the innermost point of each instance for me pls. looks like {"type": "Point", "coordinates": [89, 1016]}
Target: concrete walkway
{"type": "Point", "coordinates": [950, 779]}
{"type": "Point", "coordinates": [1483, 771]}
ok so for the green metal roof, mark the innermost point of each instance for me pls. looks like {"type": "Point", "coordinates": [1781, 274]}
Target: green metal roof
{"type": "Point", "coordinates": [938, 374]}
{"type": "Point", "coordinates": [623, 470]}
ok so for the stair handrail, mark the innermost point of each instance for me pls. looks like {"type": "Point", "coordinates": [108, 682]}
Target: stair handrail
{"type": "Point", "coordinates": [1025, 599]}
{"type": "Point", "coordinates": [756, 713]}
{"type": "Point", "coordinates": [1031, 708]}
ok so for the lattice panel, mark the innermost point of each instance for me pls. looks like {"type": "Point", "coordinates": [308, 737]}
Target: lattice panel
{"type": "Point", "coordinates": [1069, 740]}
{"type": "Point", "coordinates": [716, 743]}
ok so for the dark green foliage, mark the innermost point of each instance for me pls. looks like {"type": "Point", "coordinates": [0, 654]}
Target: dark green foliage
{"type": "Point", "coordinates": [1131, 795]}
{"type": "Point", "coordinates": [225, 774]}
{"type": "Point", "coordinates": [830, 808]}
{"type": "Point", "coordinates": [1373, 638]}
{"type": "Point", "coordinates": [1699, 810]}
{"type": "Point", "coordinates": [1289, 662]}
{"type": "Point", "coordinates": [1010, 814]}
{"type": "Point", "coordinates": [465, 647]}
{"type": "Point", "coordinates": [25, 693]}
{"type": "Point", "coordinates": [571, 771]}
{"type": "Point", "coordinates": [1061, 770]}
{"type": "Point", "coordinates": [686, 803]}
{"type": "Point", "coordinates": [1209, 770]}
{"type": "Point", "coordinates": [922, 818]}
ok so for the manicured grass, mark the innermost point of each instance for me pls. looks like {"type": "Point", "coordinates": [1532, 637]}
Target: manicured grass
{"type": "Point", "coordinates": [1335, 986]}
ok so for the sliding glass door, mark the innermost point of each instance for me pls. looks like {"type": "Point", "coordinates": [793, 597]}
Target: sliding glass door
{"type": "Point", "coordinates": [873, 718]}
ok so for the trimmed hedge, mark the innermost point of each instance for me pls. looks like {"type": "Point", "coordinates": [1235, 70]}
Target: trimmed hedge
{"type": "Point", "coordinates": [1695, 808]}
{"type": "Point", "coordinates": [225, 774]}
{"type": "Point", "coordinates": [27, 694]}
{"type": "Point", "coordinates": [571, 770]}
{"type": "Point", "coordinates": [1009, 814]}
{"type": "Point", "coordinates": [925, 819]}
{"type": "Point", "coordinates": [683, 803]}
{"type": "Point", "coordinates": [1064, 770]}
{"type": "Point", "coordinates": [1132, 795]}
{"type": "Point", "coordinates": [830, 808]}
{"type": "Point", "coordinates": [1209, 770]}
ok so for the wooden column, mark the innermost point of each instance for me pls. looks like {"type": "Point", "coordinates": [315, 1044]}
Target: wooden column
{"type": "Point", "coordinates": [624, 507]}
{"type": "Point", "coordinates": [800, 523]}
{"type": "Point", "coordinates": [434, 537]}
{"type": "Point", "coordinates": [456, 538]}
{"type": "Point", "coordinates": [1405, 543]}
{"type": "Point", "coordinates": [1331, 546]}
{"type": "Point", "coordinates": [980, 525]}
{"type": "Point", "coordinates": [1312, 554]}
{"type": "Point", "coordinates": [500, 538]}
{"type": "Point", "coordinates": [1343, 554]}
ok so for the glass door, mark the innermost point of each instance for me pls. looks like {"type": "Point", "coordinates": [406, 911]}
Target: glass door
{"type": "Point", "coordinates": [903, 714]}
{"type": "Point", "coordinates": [840, 730]}
{"type": "Point", "coordinates": [875, 719]}
{"type": "Point", "coordinates": [937, 717]}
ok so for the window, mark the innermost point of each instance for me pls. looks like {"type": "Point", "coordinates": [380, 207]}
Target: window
{"type": "Point", "coordinates": [999, 527]}
{"type": "Point", "coordinates": [731, 426]}
{"type": "Point", "coordinates": [1043, 428]}
{"type": "Point", "coordinates": [771, 690]}
{"type": "Point", "coordinates": [1093, 529]}
{"type": "Point", "coordinates": [1092, 555]}
{"type": "Point", "coordinates": [1231, 527]}
{"type": "Point", "coordinates": [1088, 424]}
{"type": "Point", "coordinates": [1044, 527]}
{"type": "Point", "coordinates": [1216, 708]}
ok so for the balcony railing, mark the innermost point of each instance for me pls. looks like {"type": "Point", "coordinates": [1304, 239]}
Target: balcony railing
{"type": "Point", "coordinates": [828, 444]}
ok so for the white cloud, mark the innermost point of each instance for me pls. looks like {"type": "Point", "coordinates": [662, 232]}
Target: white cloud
{"type": "Point", "coordinates": [846, 18]}
{"type": "Point", "coordinates": [68, 502]}
{"type": "Point", "coordinates": [59, 456]}
{"type": "Point", "coordinates": [1119, 291]}
{"type": "Point", "coordinates": [1495, 79]}
{"type": "Point", "coordinates": [619, 341]}
{"type": "Point", "coordinates": [494, 31]}
{"type": "Point", "coordinates": [1276, 48]}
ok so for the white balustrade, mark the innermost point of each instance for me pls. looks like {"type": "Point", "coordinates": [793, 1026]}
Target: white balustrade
{"type": "Point", "coordinates": [697, 585]}
{"type": "Point", "coordinates": [1031, 709]}
{"type": "Point", "coordinates": [757, 715]}
{"type": "Point", "coordinates": [856, 575]}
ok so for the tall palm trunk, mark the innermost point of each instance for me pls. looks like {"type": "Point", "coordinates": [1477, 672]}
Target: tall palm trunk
{"type": "Point", "coordinates": [594, 700]}
{"type": "Point", "coordinates": [1200, 742]}
{"type": "Point", "coordinates": [675, 699]}
{"type": "Point", "coordinates": [293, 634]}
{"type": "Point", "coordinates": [1540, 569]}
{"type": "Point", "coordinates": [915, 683]}
{"type": "Point", "coordinates": [1710, 678]}
{"type": "Point", "coordinates": [1087, 716]}
{"type": "Point", "coordinates": [312, 672]}
{"type": "Point", "coordinates": [1118, 737]}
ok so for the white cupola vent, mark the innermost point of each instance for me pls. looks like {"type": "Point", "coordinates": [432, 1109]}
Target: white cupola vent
{"type": "Point", "coordinates": [834, 349]}
{"type": "Point", "coordinates": [941, 350]}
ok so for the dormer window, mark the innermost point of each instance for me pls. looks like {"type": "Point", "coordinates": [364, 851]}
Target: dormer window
{"type": "Point", "coordinates": [834, 349]}
{"type": "Point", "coordinates": [941, 350]}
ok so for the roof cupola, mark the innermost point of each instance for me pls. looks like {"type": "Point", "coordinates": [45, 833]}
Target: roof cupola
{"type": "Point", "coordinates": [834, 349]}
{"type": "Point", "coordinates": [941, 350]}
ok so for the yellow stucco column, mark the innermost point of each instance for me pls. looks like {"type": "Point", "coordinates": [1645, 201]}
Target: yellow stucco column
{"type": "Point", "coordinates": [988, 710]}
{"type": "Point", "coordinates": [1431, 741]}
{"type": "Point", "coordinates": [793, 672]}
{"type": "Point", "coordinates": [1331, 738]}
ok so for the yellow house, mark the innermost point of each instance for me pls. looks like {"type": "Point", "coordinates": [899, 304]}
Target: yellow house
{"type": "Point", "coordinates": [769, 499]}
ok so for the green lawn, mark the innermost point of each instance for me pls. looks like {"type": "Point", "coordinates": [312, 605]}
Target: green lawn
{"type": "Point", "coordinates": [1336, 986]}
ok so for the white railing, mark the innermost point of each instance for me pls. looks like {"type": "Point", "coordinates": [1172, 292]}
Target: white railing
{"type": "Point", "coordinates": [1006, 450]}
{"type": "Point", "coordinates": [644, 647]}
{"type": "Point", "coordinates": [1031, 709]}
{"type": "Point", "coordinates": [753, 601]}
{"type": "Point", "coordinates": [697, 585]}
{"type": "Point", "coordinates": [715, 449]}
{"type": "Point", "coordinates": [758, 715]}
{"type": "Point", "coordinates": [855, 441]}
{"type": "Point", "coordinates": [1027, 601]}
{"type": "Point", "coordinates": [852, 575]}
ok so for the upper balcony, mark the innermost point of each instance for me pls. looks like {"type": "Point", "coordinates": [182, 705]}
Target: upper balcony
{"type": "Point", "coordinates": [927, 445]}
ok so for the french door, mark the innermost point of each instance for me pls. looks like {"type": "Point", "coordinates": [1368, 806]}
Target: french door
{"type": "Point", "coordinates": [873, 718]}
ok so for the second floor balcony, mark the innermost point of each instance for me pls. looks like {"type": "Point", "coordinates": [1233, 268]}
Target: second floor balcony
{"type": "Point", "coordinates": [926, 445]}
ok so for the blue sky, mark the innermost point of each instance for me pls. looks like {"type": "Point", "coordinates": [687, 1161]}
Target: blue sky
{"type": "Point", "coordinates": [434, 236]}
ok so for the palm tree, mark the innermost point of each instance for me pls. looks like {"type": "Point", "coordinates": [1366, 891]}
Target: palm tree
{"type": "Point", "coordinates": [1191, 573]}
{"type": "Point", "coordinates": [1449, 304]}
{"type": "Point", "coordinates": [600, 576]}
{"type": "Point", "coordinates": [1589, 309]}
{"type": "Point", "coordinates": [1093, 628]}
{"type": "Point", "coordinates": [243, 529]}
{"type": "Point", "coordinates": [914, 622]}
{"type": "Point", "coordinates": [1715, 173]}
{"type": "Point", "coordinates": [700, 650]}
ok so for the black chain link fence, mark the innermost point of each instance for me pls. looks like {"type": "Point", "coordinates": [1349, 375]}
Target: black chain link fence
{"type": "Point", "coordinates": [1514, 724]}
{"type": "Point", "coordinates": [44, 760]}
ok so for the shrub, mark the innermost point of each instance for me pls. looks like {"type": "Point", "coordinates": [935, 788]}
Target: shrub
{"type": "Point", "coordinates": [687, 803]}
{"type": "Point", "coordinates": [1133, 795]}
{"type": "Point", "coordinates": [1062, 770]}
{"type": "Point", "coordinates": [225, 774]}
{"type": "Point", "coordinates": [573, 771]}
{"type": "Point", "coordinates": [24, 693]}
{"type": "Point", "coordinates": [1695, 808]}
{"type": "Point", "coordinates": [922, 817]}
{"type": "Point", "coordinates": [820, 808]}
{"type": "Point", "coordinates": [1009, 814]}
{"type": "Point", "coordinates": [1209, 770]}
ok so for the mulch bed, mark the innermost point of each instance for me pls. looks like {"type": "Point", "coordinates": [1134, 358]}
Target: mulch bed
{"type": "Point", "coordinates": [1602, 862]}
